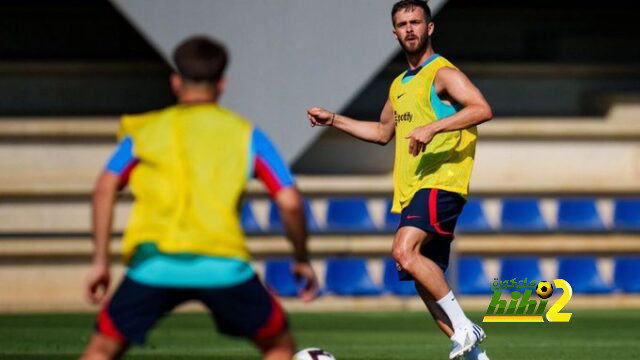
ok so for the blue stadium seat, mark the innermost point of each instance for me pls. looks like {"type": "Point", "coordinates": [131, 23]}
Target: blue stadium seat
{"type": "Point", "coordinates": [473, 219]}
{"type": "Point", "coordinates": [582, 274]}
{"type": "Point", "coordinates": [393, 284]}
{"type": "Point", "coordinates": [349, 277]}
{"type": "Point", "coordinates": [248, 220]}
{"type": "Point", "coordinates": [278, 276]}
{"type": "Point", "coordinates": [472, 279]}
{"type": "Point", "coordinates": [579, 215]}
{"type": "Point", "coordinates": [275, 222]}
{"type": "Point", "coordinates": [349, 215]}
{"type": "Point", "coordinates": [521, 268]}
{"type": "Point", "coordinates": [391, 220]}
{"type": "Point", "coordinates": [626, 274]}
{"type": "Point", "coordinates": [626, 215]}
{"type": "Point", "coordinates": [522, 215]}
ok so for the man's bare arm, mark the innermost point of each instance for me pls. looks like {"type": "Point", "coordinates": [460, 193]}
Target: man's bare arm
{"type": "Point", "coordinates": [104, 195]}
{"type": "Point", "coordinates": [376, 132]}
{"type": "Point", "coordinates": [461, 90]}
{"type": "Point", "coordinates": [289, 203]}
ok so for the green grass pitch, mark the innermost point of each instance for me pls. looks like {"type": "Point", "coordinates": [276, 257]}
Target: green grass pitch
{"type": "Point", "coordinates": [366, 336]}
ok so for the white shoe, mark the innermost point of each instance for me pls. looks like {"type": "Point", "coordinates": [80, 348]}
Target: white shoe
{"type": "Point", "coordinates": [476, 353]}
{"type": "Point", "coordinates": [465, 338]}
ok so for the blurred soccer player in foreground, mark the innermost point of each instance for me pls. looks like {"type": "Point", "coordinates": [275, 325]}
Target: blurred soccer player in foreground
{"type": "Point", "coordinates": [433, 110]}
{"type": "Point", "coordinates": [187, 167]}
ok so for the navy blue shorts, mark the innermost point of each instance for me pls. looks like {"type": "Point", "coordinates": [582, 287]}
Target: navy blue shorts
{"type": "Point", "coordinates": [246, 310]}
{"type": "Point", "coordinates": [436, 212]}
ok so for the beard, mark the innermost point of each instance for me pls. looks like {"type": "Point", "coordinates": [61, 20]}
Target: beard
{"type": "Point", "coordinates": [420, 47]}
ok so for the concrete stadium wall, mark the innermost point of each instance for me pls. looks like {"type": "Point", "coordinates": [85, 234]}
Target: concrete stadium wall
{"type": "Point", "coordinates": [285, 55]}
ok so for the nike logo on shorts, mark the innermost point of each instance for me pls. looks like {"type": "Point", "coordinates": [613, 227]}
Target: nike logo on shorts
{"type": "Point", "coordinates": [411, 217]}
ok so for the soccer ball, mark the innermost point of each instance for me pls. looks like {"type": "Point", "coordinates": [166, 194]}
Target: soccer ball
{"type": "Point", "coordinates": [313, 354]}
{"type": "Point", "coordinates": [544, 289]}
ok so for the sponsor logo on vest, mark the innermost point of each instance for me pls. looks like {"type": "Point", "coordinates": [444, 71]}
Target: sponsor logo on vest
{"type": "Point", "coordinates": [407, 116]}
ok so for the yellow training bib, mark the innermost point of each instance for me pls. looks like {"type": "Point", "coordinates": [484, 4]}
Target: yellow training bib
{"type": "Point", "coordinates": [192, 171]}
{"type": "Point", "coordinates": [448, 160]}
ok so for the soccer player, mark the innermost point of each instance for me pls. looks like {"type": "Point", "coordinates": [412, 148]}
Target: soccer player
{"type": "Point", "coordinates": [187, 166]}
{"type": "Point", "coordinates": [433, 110]}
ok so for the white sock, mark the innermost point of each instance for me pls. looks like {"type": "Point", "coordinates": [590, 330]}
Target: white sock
{"type": "Point", "coordinates": [453, 310]}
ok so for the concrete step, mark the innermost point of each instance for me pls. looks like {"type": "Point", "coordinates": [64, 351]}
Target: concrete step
{"type": "Point", "coordinates": [43, 249]}
{"type": "Point", "coordinates": [84, 128]}
{"type": "Point", "coordinates": [44, 216]}
{"type": "Point", "coordinates": [63, 215]}
{"type": "Point", "coordinates": [60, 286]}
{"type": "Point", "coordinates": [514, 165]}
{"type": "Point", "coordinates": [619, 123]}
{"type": "Point", "coordinates": [72, 215]}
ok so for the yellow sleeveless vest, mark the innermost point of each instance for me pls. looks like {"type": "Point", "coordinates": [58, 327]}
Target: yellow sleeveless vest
{"type": "Point", "coordinates": [448, 160]}
{"type": "Point", "coordinates": [192, 171]}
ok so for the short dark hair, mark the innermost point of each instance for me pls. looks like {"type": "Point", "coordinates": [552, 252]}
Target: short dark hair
{"type": "Point", "coordinates": [200, 59]}
{"type": "Point", "coordinates": [409, 4]}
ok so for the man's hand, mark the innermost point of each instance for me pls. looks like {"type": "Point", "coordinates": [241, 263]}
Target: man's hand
{"type": "Point", "coordinates": [419, 139]}
{"type": "Point", "coordinates": [320, 117]}
{"type": "Point", "coordinates": [98, 283]}
{"type": "Point", "coordinates": [304, 271]}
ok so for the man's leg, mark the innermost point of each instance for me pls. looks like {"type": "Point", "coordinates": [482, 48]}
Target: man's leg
{"type": "Point", "coordinates": [439, 316]}
{"type": "Point", "coordinates": [130, 313]}
{"type": "Point", "coordinates": [250, 311]}
{"type": "Point", "coordinates": [101, 347]}
{"type": "Point", "coordinates": [406, 252]}
{"type": "Point", "coordinates": [281, 347]}
{"type": "Point", "coordinates": [430, 278]}
{"type": "Point", "coordinates": [427, 274]}
{"type": "Point", "coordinates": [443, 322]}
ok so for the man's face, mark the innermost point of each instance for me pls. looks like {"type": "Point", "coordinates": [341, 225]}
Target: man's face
{"type": "Point", "coordinates": [412, 30]}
